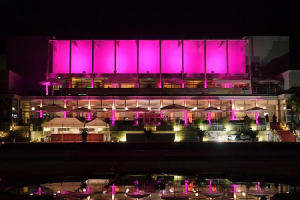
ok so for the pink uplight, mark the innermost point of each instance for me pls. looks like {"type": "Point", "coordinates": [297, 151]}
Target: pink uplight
{"type": "Point", "coordinates": [126, 56]}
{"type": "Point", "coordinates": [149, 56]}
{"type": "Point", "coordinates": [81, 56]}
{"type": "Point", "coordinates": [171, 51]}
{"type": "Point", "coordinates": [216, 60]}
{"type": "Point", "coordinates": [236, 57]}
{"type": "Point", "coordinates": [193, 56]}
{"type": "Point", "coordinates": [104, 56]}
{"type": "Point", "coordinates": [61, 56]}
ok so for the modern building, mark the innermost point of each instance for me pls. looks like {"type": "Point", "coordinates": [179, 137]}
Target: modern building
{"type": "Point", "coordinates": [165, 85]}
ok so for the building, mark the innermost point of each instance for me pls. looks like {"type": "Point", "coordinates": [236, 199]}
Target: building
{"type": "Point", "coordinates": [131, 82]}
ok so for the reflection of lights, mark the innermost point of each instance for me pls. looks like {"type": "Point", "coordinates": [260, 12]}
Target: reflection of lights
{"type": "Point", "coordinates": [244, 194]}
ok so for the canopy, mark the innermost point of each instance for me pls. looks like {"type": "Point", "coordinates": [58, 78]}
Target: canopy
{"type": "Point", "coordinates": [138, 109]}
{"type": "Point", "coordinates": [64, 122]}
{"type": "Point", "coordinates": [211, 109]}
{"type": "Point", "coordinates": [53, 108]}
{"type": "Point", "coordinates": [256, 110]}
{"type": "Point", "coordinates": [174, 107]}
{"type": "Point", "coordinates": [96, 122]}
{"type": "Point", "coordinates": [82, 110]}
{"type": "Point", "coordinates": [51, 82]}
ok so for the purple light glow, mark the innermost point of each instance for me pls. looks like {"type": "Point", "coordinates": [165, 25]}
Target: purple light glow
{"type": "Point", "coordinates": [236, 57]}
{"type": "Point", "coordinates": [210, 186]}
{"type": "Point", "coordinates": [126, 56]}
{"type": "Point", "coordinates": [81, 56]}
{"type": "Point", "coordinates": [216, 60]}
{"type": "Point", "coordinates": [209, 118]}
{"type": "Point", "coordinates": [149, 56]}
{"type": "Point", "coordinates": [185, 118]}
{"type": "Point", "coordinates": [61, 56]}
{"type": "Point", "coordinates": [186, 187]}
{"type": "Point", "coordinates": [193, 56]}
{"type": "Point", "coordinates": [104, 56]}
{"type": "Point", "coordinates": [171, 51]}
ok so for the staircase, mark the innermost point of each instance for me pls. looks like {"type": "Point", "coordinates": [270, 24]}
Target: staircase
{"type": "Point", "coordinates": [285, 135]}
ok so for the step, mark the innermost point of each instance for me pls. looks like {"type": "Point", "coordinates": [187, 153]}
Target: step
{"type": "Point", "coordinates": [286, 136]}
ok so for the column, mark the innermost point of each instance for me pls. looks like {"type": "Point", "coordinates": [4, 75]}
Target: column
{"type": "Point", "coordinates": [93, 50]}
{"type": "Point", "coordinates": [205, 80]}
{"type": "Point", "coordinates": [89, 107]}
{"type": "Point", "coordinates": [185, 115]}
{"type": "Point", "coordinates": [186, 187]}
{"type": "Point", "coordinates": [210, 186]}
{"type": "Point", "coordinates": [209, 114]}
{"type": "Point", "coordinates": [234, 191]}
{"type": "Point", "coordinates": [41, 111]}
{"type": "Point", "coordinates": [113, 118]}
{"type": "Point", "coordinates": [232, 110]}
{"type": "Point", "coordinates": [65, 106]}
{"type": "Point", "coordinates": [256, 114]}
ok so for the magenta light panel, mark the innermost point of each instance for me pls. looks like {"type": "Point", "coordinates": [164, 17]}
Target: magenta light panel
{"type": "Point", "coordinates": [171, 51]}
{"type": "Point", "coordinates": [126, 56]}
{"type": "Point", "coordinates": [193, 56]}
{"type": "Point", "coordinates": [104, 56]}
{"type": "Point", "coordinates": [216, 58]}
{"type": "Point", "coordinates": [81, 56]}
{"type": "Point", "coordinates": [149, 56]}
{"type": "Point", "coordinates": [61, 56]}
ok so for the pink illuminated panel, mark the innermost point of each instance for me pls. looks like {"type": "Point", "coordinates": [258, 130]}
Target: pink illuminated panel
{"type": "Point", "coordinates": [216, 60]}
{"type": "Point", "coordinates": [126, 56]}
{"type": "Point", "coordinates": [193, 56]}
{"type": "Point", "coordinates": [236, 57]}
{"type": "Point", "coordinates": [104, 56]}
{"type": "Point", "coordinates": [149, 56]}
{"type": "Point", "coordinates": [171, 56]}
{"type": "Point", "coordinates": [61, 56]}
{"type": "Point", "coordinates": [81, 56]}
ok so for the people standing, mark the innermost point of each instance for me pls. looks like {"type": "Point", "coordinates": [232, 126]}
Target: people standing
{"type": "Point", "coordinates": [267, 118]}
{"type": "Point", "coordinates": [274, 119]}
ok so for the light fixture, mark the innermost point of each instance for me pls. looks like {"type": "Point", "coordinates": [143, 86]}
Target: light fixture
{"type": "Point", "coordinates": [33, 108]}
{"type": "Point", "coordinates": [218, 107]}
{"type": "Point", "coordinates": [264, 107]}
{"type": "Point", "coordinates": [242, 108]}
{"type": "Point", "coordinates": [13, 108]}
{"type": "Point", "coordinates": [284, 108]}
{"type": "Point", "coordinates": [104, 109]}
{"type": "Point", "coordinates": [237, 109]}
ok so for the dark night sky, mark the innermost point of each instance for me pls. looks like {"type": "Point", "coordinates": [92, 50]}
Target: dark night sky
{"type": "Point", "coordinates": [146, 19]}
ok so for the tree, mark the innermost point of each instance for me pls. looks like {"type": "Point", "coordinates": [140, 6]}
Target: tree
{"type": "Point", "coordinates": [294, 103]}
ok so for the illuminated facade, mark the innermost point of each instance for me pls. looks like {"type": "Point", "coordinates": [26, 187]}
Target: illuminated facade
{"type": "Point", "coordinates": [112, 78]}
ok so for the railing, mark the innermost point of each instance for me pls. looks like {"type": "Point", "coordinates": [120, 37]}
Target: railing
{"type": "Point", "coordinates": [265, 90]}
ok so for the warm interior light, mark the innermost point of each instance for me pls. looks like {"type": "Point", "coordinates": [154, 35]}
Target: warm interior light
{"type": "Point", "coordinates": [284, 108]}
{"type": "Point", "coordinates": [33, 108]}
{"type": "Point", "coordinates": [104, 109]}
{"type": "Point", "coordinates": [13, 108]}
{"type": "Point", "coordinates": [218, 107]}
{"type": "Point", "coordinates": [242, 108]}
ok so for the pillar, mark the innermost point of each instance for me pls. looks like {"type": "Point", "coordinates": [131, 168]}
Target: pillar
{"type": "Point", "coordinates": [186, 187]}
{"type": "Point", "coordinates": [185, 113]}
{"type": "Point", "coordinates": [210, 186]}
{"type": "Point", "coordinates": [113, 191]}
{"type": "Point", "coordinates": [47, 89]}
{"type": "Point", "coordinates": [89, 107]}
{"type": "Point", "coordinates": [232, 110]}
{"type": "Point", "coordinates": [41, 111]}
{"type": "Point", "coordinates": [40, 191]}
{"type": "Point", "coordinates": [65, 106]}
{"type": "Point", "coordinates": [234, 191]}
{"type": "Point", "coordinates": [113, 118]}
